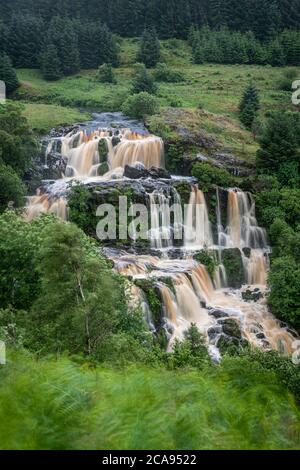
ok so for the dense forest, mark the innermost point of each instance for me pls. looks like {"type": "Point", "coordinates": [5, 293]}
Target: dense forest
{"type": "Point", "coordinates": [171, 18]}
{"type": "Point", "coordinates": [155, 342]}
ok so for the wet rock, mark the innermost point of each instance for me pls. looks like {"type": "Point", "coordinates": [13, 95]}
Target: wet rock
{"type": "Point", "coordinates": [252, 296]}
{"type": "Point", "coordinates": [140, 171]}
{"type": "Point", "coordinates": [103, 151]}
{"type": "Point", "coordinates": [159, 173]}
{"type": "Point", "coordinates": [115, 141]}
{"type": "Point", "coordinates": [136, 172]}
{"type": "Point", "coordinates": [231, 328]}
{"type": "Point", "coordinates": [217, 313]}
{"type": "Point", "coordinates": [214, 332]}
{"type": "Point", "coordinates": [103, 169]}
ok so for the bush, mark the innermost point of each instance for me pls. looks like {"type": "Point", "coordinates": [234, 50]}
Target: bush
{"type": "Point", "coordinates": [164, 74]}
{"type": "Point", "coordinates": [284, 298]}
{"type": "Point", "coordinates": [105, 74]}
{"type": "Point", "coordinates": [208, 176]}
{"type": "Point", "coordinates": [144, 81]}
{"type": "Point", "coordinates": [140, 105]}
{"type": "Point", "coordinates": [11, 188]}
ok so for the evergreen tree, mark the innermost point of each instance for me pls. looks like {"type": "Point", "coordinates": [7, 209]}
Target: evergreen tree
{"type": "Point", "coordinates": [144, 81]}
{"type": "Point", "coordinates": [249, 106]}
{"type": "Point", "coordinates": [279, 143]}
{"type": "Point", "coordinates": [105, 74]}
{"type": "Point", "coordinates": [25, 38]}
{"type": "Point", "coordinates": [8, 73]}
{"type": "Point", "coordinates": [149, 53]}
{"type": "Point", "coordinates": [276, 54]}
{"type": "Point", "coordinates": [50, 63]}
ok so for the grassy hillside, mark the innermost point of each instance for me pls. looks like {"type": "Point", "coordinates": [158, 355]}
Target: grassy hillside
{"type": "Point", "coordinates": [216, 89]}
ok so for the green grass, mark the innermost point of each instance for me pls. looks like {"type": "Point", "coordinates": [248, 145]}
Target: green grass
{"type": "Point", "coordinates": [43, 117]}
{"type": "Point", "coordinates": [216, 89]}
{"type": "Point", "coordinates": [56, 404]}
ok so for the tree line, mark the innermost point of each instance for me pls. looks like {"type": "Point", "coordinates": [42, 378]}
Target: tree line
{"type": "Point", "coordinates": [226, 47]}
{"type": "Point", "coordinates": [170, 18]}
{"type": "Point", "coordinates": [61, 47]}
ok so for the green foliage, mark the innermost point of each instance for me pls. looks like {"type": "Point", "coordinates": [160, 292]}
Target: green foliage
{"type": "Point", "coordinates": [279, 143]}
{"type": "Point", "coordinates": [141, 105]}
{"type": "Point", "coordinates": [208, 176]}
{"type": "Point", "coordinates": [249, 106]}
{"type": "Point", "coordinates": [19, 246]}
{"type": "Point", "coordinates": [11, 188]}
{"type": "Point", "coordinates": [232, 260]}
{"type": "Point", "coordinates": [67, 405]}
{"type": "Point", "coordinates": [149, 52]}
{"type": "Point", "coordinates": [191, 353]}
{"type": "Point", "coordinates": [284, 298]}
{"type": "Point", "coordinates": [7, 73]}
{"type": "Point", "coordinates": [208, 260]}
{"type": "Point", "coordinates": [105, 74]}
{"type": "Point", "coordinates": [17, 144]}
{"type": "Point", "coordinates": [163, 73]}
{"type": "Point", "coordinates": [144, 82]}
{"type": "Point", "coordinates": [50, 63]}
{"type": "Point", "coordinates": [223, 46]}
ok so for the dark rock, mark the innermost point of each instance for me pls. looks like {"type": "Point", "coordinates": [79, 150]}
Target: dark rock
{"type": "Point", "coordinates": [136, 172]}
{"type": "Point", "coordinates": [139, 171]}
{"type": "Point", "coordinates": [103, 151]}
{"type": "Point", "coordinates": [217, 313]}
{"type": "Point", "coordinates": [159, 173]}
{"type": "Point", "coordinates": [231, 328]}
{"type": "Point", "coordinates": [103, 169]}
{"type": "Point", "coordinates": [252, 296]}
{"type": "Point", "coordinates": [214, 332]}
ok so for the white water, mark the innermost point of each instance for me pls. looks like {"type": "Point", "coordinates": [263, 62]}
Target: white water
{"type": "Point", "coordinates": [194, 294]}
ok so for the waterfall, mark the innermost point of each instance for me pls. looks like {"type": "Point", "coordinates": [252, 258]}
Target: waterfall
{"type": "Point", "coordinates": [82, 155]}
{"type": "Point", "coordinates": [243, 230]}
{"type": "Point", "coordinates": [187, 292]}
{"type": "Point", "coordinates": [135, 148]}
{"type": "Point", "coordinates": [198, 233]}
{"type": "Point", "coordinates": [43, 204]}
{"type": "Point", "coordinates": [160, 233]}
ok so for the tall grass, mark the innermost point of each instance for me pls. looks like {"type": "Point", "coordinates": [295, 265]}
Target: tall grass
{"type": "Point", "coordinates": [56, 404]}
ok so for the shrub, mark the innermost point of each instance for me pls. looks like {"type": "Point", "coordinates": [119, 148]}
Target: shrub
{"type": "Point", "coordinates": [208, 176]}
{"type": "Point", "coordinates": [105, 74]}
{"type": "Point", "coordinates": [11, 188]}
{"type": "Point", "coordinates": [164, 74]}
{"type": "Point", "coordinates": [144, 81]}
{"type": "Point", "coordinates": [284, 298]}
{"type": "Point", "coordinates": [141, 105]}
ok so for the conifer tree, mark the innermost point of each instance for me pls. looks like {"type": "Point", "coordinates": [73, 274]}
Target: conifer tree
{"type": "Point", "coordinates": [8, 73]}
{"type": "Point", "coordinates": [144, 82]}
{"type": "Point", "coordinates": [249, 105]}
{"type": "Point", "coordinates": [149, 53]}
{"type": "Point", "coordinates": [50, 63]}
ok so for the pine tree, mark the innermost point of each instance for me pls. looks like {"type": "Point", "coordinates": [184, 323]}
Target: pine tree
{"type": "Point", "coordinates": [279, 143]}
{"type": "Point", "coordinates": [50, 63]}
{"type": "Point", "coordinates": [276, 54]}
{"type": "Point", "coordinates": [249, 105]}
{"type": "Point", "coordinates": [8, 74]}
{"type": "Point", "coordinates": [149, 53]}
{"type": "Point", "coordinates": [144, 82]}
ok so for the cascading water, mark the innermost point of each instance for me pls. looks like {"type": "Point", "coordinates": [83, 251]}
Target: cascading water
{"type": "Point", "coordinates": [187, 292]}
{"type": "Point", "coordinates": [198, 232]}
